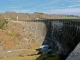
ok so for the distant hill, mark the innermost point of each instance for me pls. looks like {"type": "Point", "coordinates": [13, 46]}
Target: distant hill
{"type": "Point", "coordinates": [36, 15]}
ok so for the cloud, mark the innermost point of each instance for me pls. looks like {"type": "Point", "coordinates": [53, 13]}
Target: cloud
{"type": "Point", "coordinates": [48, 3]}
{"type": "Point", "coordinates": [78, 0]}
{"type": "Point", "coordinates": [23, 10]}
{"type": "Point", "coordinates": [75, 5]}
{"type": "Point", "coordinates": [74, 11]}
{"type": "Point", "coordinates": [12, 7]}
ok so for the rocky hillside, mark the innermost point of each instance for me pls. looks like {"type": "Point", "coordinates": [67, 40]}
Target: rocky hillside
{"type": "Point", "coordinates": [15, 35]}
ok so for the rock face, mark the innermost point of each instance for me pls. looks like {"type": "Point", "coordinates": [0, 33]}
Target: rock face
{"type": "Point", "coordinates": [38, 29]}
{"type": "Point", "coordinates": [19, 35]}
{"type": "Point", "coordinates": [75, 54]}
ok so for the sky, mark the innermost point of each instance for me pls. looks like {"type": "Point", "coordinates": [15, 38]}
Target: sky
{"type": "Point", "coordinates": [69, 7]}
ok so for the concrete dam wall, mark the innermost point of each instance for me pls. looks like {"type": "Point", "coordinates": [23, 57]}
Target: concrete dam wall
{"type": "Point", "coordinates": [62, 35]}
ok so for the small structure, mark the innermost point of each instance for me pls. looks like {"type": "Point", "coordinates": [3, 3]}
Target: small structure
{"type": "Point", "coordinates": [44, 46]}
{"type": "Point", "coordinates": [44, 49]}
{"type": "Point", "coordinates": [17, 18]}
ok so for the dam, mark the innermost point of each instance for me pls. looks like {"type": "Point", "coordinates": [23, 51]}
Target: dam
{"type": "Point", "coordinates": [62, 35]}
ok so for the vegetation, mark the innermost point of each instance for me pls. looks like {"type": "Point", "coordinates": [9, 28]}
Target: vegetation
{"type": "Point", "coordinates": [37, 57]}
{"type": "Point", "coordinates": [12, 34]}
{"type": "Point", "coordinates": [21, 58]}
{"type": "Point", "coordinates": [51, 57]}
{"type": "Point", "coordinates": [21, 55]}
{"type": "Point", "coordinates": [26, 16]}
{"type": "Point", "coordinates": [38, 13]}
{"type": "Point", "coordinates": [70, 16]}
{"type": "Point", "coordinates": [1, 41]}
{"type": "Point", "coordinates": [2, 22]}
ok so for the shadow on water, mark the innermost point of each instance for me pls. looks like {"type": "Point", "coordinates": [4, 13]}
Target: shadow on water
{"type": "Point", "coordinates": [62, 37]}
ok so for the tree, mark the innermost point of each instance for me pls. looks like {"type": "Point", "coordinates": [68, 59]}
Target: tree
{"type": "Point", "coordinates": [2, 21]}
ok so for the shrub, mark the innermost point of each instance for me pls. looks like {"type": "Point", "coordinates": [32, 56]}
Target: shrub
{"type": "Point", "coordinates": [21, 55]}
{"type": "Point", "coordinates": [2, 22]}
{"type": "Point", "coordinates": [12, 34]}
